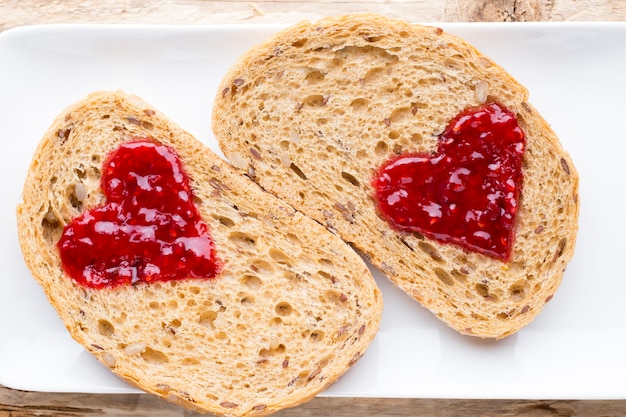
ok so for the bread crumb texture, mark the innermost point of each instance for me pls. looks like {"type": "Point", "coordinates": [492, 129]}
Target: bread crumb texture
{"type": "Point", "coordinates": [292, 310]}
{"type": "Point", "coordinates": [314, 111]}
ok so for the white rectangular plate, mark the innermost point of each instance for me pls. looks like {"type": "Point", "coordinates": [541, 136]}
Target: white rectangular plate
{"type": "Point", "coordinates": [575, 349]}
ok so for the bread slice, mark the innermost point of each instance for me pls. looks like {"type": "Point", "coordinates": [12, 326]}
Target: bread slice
{"type": "Point", "coordinates": [291, 310]}
{"type": "Point", "coordinates": [312, 113]}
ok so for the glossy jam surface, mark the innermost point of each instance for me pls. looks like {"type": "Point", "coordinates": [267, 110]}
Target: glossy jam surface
{"type": "Point", "coordinates": [148, 229]}
{"type": "Point", "coordinates": [467, 192]}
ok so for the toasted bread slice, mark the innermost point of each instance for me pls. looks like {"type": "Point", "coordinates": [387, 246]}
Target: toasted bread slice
{"type": "Point", "coordinates": [312, 113]}
{"type": "Point", "coordinates": [291, 310]}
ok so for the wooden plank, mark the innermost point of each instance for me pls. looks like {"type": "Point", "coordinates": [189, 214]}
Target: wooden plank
{"type": "Point", "coordinates": [14, 13]}
{"type": "Point", "coordinates": [22, 404]}
{"type": "Point", "coordinates": [26, 12]}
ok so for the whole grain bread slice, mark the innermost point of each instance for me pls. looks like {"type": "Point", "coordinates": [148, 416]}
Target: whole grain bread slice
{"type": "Point", "coordinates": [292, 309]}
{"type": "Point", "coordinates": [314, 111]}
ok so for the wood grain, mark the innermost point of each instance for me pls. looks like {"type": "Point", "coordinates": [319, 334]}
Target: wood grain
{"type": "Point", "coordinates": [14, 13]}
{"type": "Point", "coordinates": [26, 12]}
{"type": "Point", "coordinates": [23, 404]}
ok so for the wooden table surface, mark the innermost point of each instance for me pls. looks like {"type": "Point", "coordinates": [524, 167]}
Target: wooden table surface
{"type": "Point", "coordinates": [13, 13]}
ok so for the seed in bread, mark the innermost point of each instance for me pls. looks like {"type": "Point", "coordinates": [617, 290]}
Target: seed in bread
{"type": "Point", "coordinates": [312, 113]}
{"type": "Point", "coordinates": [291, 308]}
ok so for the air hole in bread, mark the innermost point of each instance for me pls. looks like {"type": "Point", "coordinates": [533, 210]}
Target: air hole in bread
{"type": "Point", "coordinates": [297, 171]}
{"type": "Point", "coordinates": [381, 148]}
{"type": "Point", "coordinates": [95, 161]}
{"type": "Point", "coordinates": [251, 281]}
{"type": "Point", "coordinates": [479, 317]}
{"type": "Point", "coordinates": [80, 172]}
{"type": "Point", "coordinates": [459, 276]}
{"type": "Point", "coordinates": [280, 257]}
{"type": "Point", "coordinates": [333, 296]}
{"type": "Point", "coordinates": [172, 305]}
{"type": "Point", "coordinates": [560, 248]}
{"type": "Point", "coordinates": [444, 276]}
{"type": "Point", "coordinates": [330, 149]}
{"type": "Point", "coordinates": [121, 318]}
{"type": "Point", "coordinates": [316, 336]}
{"type": "Point", "coordinates": [295, 278]}
{"type": "Point", "coordinates": [284, 145]}
{"type": "Point", "coordinates": [154, 356]}
{"type": "Point", "coordinates": [350, 178]}
{"type": "Point", "coordinates": [272, 351]}
{"type": "Point", "coordinates": [326, 360]}
{"type": "Point", "coordinates": [328, 276]}
{"type": "Point", "coordinates": [315, 76]}
{"type": "Point", "coordinates": [518, 290]}
{"type": "Point", "coordinates": [283, 309]}
{"type": "Point", "coordinates": [315, 100]}
{"type": "Point", "coordinates": [326, 262]}
{"type": "Point", "coordinates": [400, 115]}
{"type": "Point", "coordinates": [225, 221]}
{"type": "Point", "coordinates": [394, 134]}
{"type": "Point", "coordinates": [293, 238]}
{"type": "Point", "coordinates": [430, 250]}
{"type": "Point", "coordinates": [416, 138]}
{"type": "Point", "coordinates": [261, 267]}
{"type": "Point", "coordinates": [52, 227]}
{"type": "Point", "coordinates": [503, 316]}
{"type": "Point", "coordinates": [154, 305]}
{"type": "Point", "coordinates": [105, 328]}
{"type": "Point", "coordinates": [359, 104]}
{"type": "Point", "coordinates": [190, 362]}
{"type": "Point", "coordinates": [482, 290]}
{"type": "Point", "coordinates": [242, 240]}
{"type": "Point", "coordinates": [211, 396]}
{"type": "Point", "coordinates": [373, 75]}
{"type": "Point", "coordinates": [372, 39]}
{"type": "Point", "coordinates": [207, 318]}
{"type": "Point", "coordinates": [246, 299]}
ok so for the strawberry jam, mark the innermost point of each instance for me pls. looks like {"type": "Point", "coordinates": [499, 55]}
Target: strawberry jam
{"type": "Point", "coordinates": [467, 192]}
{"type": "Point", "coordinates": [148, 229]}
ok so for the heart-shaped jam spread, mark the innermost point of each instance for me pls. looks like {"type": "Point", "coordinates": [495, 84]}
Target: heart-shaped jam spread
{"type": "Point", "coordinates": [149, 228]}
{"type": "Point", "coordinates": [467, 192]}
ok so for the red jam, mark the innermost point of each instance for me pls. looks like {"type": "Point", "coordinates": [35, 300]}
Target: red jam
{"type": "Point", "coordinates": [467, 192]}
{"type": "Point", "coordinates": [148, 230]}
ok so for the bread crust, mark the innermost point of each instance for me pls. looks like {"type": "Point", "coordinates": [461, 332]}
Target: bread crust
{"type": "Point", "coordinates": [292, 309]}
{"type": "Point", "coordinates": [311, 114]}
